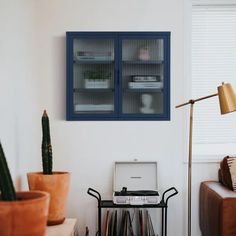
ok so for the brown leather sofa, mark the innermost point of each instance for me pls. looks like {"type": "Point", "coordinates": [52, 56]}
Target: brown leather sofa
{"type": "Point", "coordinates": [217, 209]}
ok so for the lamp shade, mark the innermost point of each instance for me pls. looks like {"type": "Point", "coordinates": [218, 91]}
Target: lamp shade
{"type": "Point", "coordinates": [227, 98]}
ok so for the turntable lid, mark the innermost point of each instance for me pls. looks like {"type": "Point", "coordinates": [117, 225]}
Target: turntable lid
{"type": "Point", "coordinates": [135, 176]}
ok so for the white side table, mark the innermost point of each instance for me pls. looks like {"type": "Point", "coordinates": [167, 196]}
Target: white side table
{"type": "Point", "coordinates": [68, 228]}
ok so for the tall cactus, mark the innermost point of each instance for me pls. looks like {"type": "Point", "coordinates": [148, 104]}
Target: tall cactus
{"type": "Point", "coordinates": [46, 145]}
{"type": "Point", "coordinates": [7, 189]}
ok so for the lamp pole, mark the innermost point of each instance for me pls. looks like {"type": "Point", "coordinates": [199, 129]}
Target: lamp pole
{"type": "Point", "coordinates": [190, 168]}
{"type": "Point", "coordinates": [190, 153]}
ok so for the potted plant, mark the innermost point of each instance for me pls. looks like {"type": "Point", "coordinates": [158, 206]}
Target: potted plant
{"type": "Point", "coordinates": [97, 79]}
{"type": "Point", "coordinates": [21, 213]}
{"type": "Point", "coordinates": [56, 183]}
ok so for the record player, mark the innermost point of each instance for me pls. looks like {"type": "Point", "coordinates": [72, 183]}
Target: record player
{"type": "Point", "coordinates": [135, 183]}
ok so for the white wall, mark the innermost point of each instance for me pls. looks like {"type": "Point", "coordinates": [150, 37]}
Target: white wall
{"type": "Point", "coordinates": [32, 78]}
{"type": "Point", "coordinates": [18, 92]}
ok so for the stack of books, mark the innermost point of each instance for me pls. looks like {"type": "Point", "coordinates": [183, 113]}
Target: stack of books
{"type": "Point", "coordinates": [92, 55]}
{"type": "Point", "coordinates": [93, 107]}
{"type": "Point", "coordinates": [145, 82]}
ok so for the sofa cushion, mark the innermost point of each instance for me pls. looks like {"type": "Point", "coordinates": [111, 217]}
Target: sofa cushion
{"type": "Point", "coordinates": [224, 173]}
{"type": "Point", "coordinates": [232, 168]}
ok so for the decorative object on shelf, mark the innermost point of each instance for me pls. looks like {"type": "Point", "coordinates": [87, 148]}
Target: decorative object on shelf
{"type": "Point", "coordinates": [146, 100]}
{"type": "Point", "coordinates": [56, 183]}
{"type": "Point", "coordinates": [21, 213]}
{"type": "Point", "coordinates": [227, 102]}
{"type": "Point", "coordinates": [143, 53]}
{"type": "Point", "coordinates": [97, 79]}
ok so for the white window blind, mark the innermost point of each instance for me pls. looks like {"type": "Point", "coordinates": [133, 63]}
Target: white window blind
{"type": "Point", "coordinates": [213, 62]}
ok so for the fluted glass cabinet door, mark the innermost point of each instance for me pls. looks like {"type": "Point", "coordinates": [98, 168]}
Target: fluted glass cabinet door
{"type": "Point", "coordinates": [118, 75]}
{"type": "Point", "coordinates": [143, 79]}
{"type": "Point", "coordinates": [93, 73]}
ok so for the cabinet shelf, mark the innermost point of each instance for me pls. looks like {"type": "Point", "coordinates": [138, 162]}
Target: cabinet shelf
{"type": "Point", "coordinates": [143, 90]}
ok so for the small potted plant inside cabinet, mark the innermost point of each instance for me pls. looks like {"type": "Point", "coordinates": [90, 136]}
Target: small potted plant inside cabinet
{"type": "Point", "coordinates": [56, 183]}
{"type": "Point", "coordinates": [21, 213]}
{"type": "Point", "coordinates": [97, 79]}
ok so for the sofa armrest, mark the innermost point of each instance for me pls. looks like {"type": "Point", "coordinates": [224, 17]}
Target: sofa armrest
{"type": "Point", "coordinates": [217, 210]}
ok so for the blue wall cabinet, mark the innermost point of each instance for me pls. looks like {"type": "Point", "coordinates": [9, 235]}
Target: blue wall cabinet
{"type": "Point", "coordinates": [118, 75]}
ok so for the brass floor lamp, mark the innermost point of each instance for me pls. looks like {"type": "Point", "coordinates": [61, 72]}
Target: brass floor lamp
{"type": "Point", "coordinates": [227, 100]}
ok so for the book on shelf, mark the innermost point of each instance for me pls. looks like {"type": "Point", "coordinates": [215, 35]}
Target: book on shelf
{"type": "Point", "coordinates": [145, 78]}
{"type": "Point", "coordinates": [145, 85]}
{"type": "Point", "coordinates": [92, 55]}
{"type": "Point", "coordinates": [93, 107]}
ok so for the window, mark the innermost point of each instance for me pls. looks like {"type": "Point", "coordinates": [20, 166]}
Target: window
{"type": "Point", "coordinates": [213, 62]}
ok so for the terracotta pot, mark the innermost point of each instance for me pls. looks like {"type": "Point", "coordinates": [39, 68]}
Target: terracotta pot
{"type": "Point", "coordinates": [57, 185]}
{"type": "Point", "coordinates": [26, 216]}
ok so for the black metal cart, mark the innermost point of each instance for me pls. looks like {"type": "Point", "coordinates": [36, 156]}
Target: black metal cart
{"type": "Point", "coordinates": [109, 204]}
